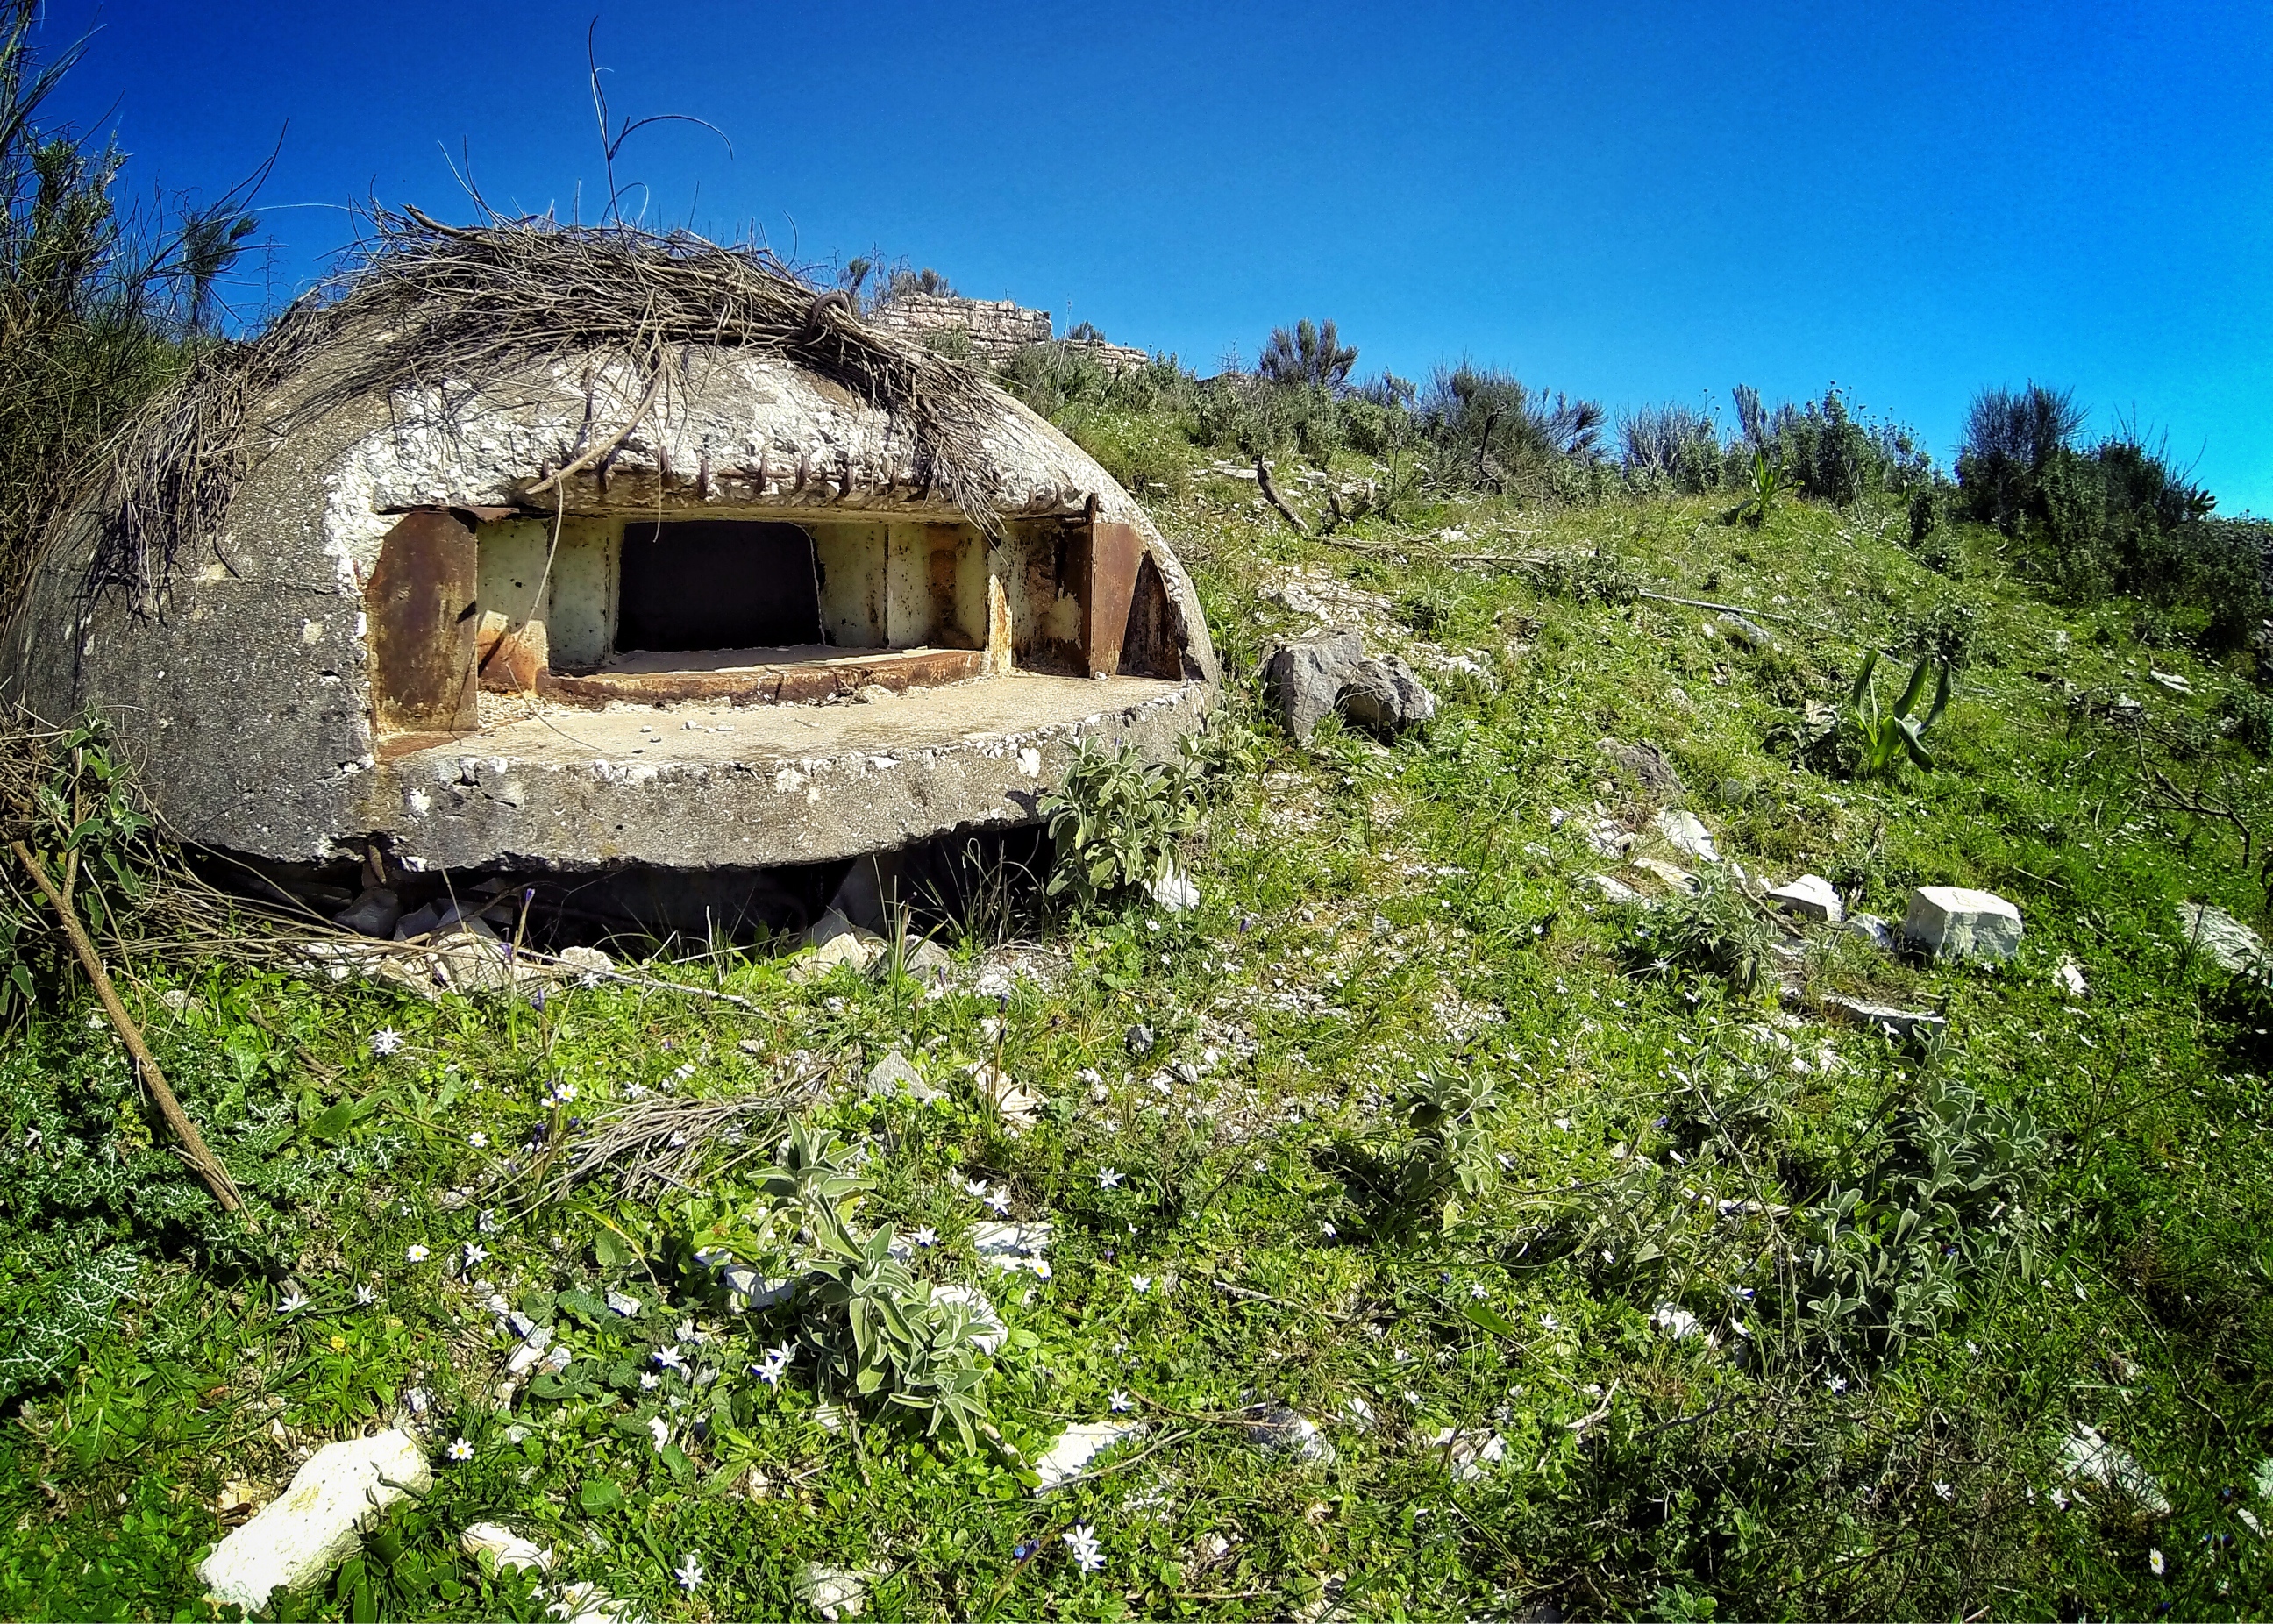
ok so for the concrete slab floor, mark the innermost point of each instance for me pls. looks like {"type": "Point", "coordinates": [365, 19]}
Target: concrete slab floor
{"type": "Point", "coordinates": [661, 735]}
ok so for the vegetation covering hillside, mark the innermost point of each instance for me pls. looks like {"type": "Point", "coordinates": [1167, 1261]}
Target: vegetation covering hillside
{"type": "Point", "coordinates": [1613, 1278]}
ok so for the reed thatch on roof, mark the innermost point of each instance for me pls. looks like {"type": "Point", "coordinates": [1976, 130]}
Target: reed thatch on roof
{"type": "Point", "coordinates": [462, 302]}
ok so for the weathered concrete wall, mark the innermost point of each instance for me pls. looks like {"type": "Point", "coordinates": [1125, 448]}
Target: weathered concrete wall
{"type": "Point", "coordinates": [999, 328]}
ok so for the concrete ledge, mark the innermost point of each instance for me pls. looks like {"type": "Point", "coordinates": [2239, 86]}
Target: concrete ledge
{"type": "Point", "coordinates": [758, 787]}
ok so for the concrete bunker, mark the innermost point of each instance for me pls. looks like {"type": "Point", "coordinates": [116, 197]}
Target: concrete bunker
{"type": "Point", "coordinates": [749, 589]}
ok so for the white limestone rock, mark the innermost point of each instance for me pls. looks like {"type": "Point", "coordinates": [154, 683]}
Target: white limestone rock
{"type": "Point", "coordinates": [1284, 1431]}
{"type": "Point", "coordinates": [2227, 942]}
{"type": "Point", "coordinates": [1678, 879]}
{"type": "Point", "coordinates": [1903, 1024]}
{"type": "Point", "coordinates": [833, 1593]}
{"type": "Point", "coordinates": [318, 1522]}
{"type": "Point", "coordinates": [1810, 896]}
{"type": "Point", "coordinates": [1953, 922]}
{"type": "Point", "coordinates": [1615, 890]}
{"type": "Point", "coordinates": [1176, 893]}
{"type": "Point", "coordinates": [1685, 833]}
{"type": "Point", "coordinates": [896, 1075]}
{"type": "Point", "coordinates": [504, 1547]}
{"type": "Point", "coordinates": [2089, 1459]}
{"type": "Point", "coordinates": [1874, 931]}
{"type": "Point", "coordinates": [1079, 1444]}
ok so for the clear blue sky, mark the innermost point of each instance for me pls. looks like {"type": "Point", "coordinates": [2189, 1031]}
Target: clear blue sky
{"type": "Point", "coordinates": [1633, 201]}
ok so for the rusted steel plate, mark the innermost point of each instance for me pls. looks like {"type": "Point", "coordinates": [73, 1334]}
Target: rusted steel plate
{"type": "Point", "coordinates": [1115, 550]}
{"type": "Point", "coordinates": [423, 618]}
{"type": "Point", "coordinates": [773, 684]}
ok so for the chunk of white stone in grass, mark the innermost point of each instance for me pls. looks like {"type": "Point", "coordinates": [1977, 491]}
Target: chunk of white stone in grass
{"type": "Point", "coordinates": [1953, 921]}
{"type": "Point", "coordinates": [1615, 890]}
{"type": "Point", "coordinates": [1284, 1431]}
{"type": "Point", "coordinates": [1685, 833]}
{"type": "Point", "coordinates": [1010, 1246]}
{"type": "Point", "coordinates": [503, 1546]}
{"type": "Point", "coordinates": [1810, 896]}
{"type": "Point", "coordinates": [1068, 1456]}
{"type": "Point", "coordinates": [2069, 978]}
{"type": "Point", "coordinates": [833, 1593]}
{"type": "Point", "coordinates": [2089, 1459]}
{"type": "Point", "coordinates": [2227, 942]}
{"type": "Point", "coordinates": [1469, 1454]}
{"type": "Point", "coordinates": [318, 1522]}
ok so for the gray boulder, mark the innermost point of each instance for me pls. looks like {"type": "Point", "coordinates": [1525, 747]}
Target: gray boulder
{"type": "Point", "coordinates": [1385, 694]}
{"type": "Point", "coordinates": [375, 913]}
{"type": "Point", "coordinates": [2223, 938]}
{"type": "Point", "coordinates": [1316, 675]}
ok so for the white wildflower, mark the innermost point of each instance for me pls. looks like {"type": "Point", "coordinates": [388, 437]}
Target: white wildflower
{"type": "Point", "coordinates": [688, 1573]}
{"type": "Point", "coordinates": [292, 1301]}
{"type": "Point", "coordinates": [1118, 1401]}
{"type": "Point", "coordinates": [475, 1253]}
{"type": "Point", "coordinates": [1086, 1553]}
{"type": "Point", "coordinates": [365, 1296]}
{"type": "Point", "coordinates": [478, 1140]}
{"type": "Point", "coordinates": [461, 1450]}
{"type": "Point", "coordinates": [416, 1251]}
{"type": "Point", "coordinates": [386, 1040]}
{"type": "Point", "coordinates": [672, 1359]}
{"type": "Point", "coordinates": [926, 1236]}
{"type": "Point", "coordinates": [2154, 1559]}
{"type": "Point", "coordinates": [1140, 1283]}
{"type": "Point", "coordinates": [1000, 1201]}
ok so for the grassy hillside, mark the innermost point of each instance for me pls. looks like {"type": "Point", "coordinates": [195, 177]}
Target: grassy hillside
{"type": "Point", "coordinates": [1616, 1283]}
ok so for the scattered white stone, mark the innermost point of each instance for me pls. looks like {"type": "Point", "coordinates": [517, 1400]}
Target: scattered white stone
{"type": "Point", "coordinates": [926, 960]}
{"type": "Point", "coordinates": [2230, 945]}
{"type": "Point", "coordinates": [504, 1547]}
{"type": "Point", "coordinates": [895, 1074]}
{"type": "Point", "coordinates": [1012, 1246]}
{"type": "Point", "coordinates": [1687, 832]}
{"type": "Point", "coordinates": [1953, 922]}
{"type": "Point", "coordinates": [1609, 838]}
{"type": "Point", "coordinates": [1469, 1453]}
{"type": "Point", "coordinates": [1901, 1024]}
{"type": "Point", "coordinates": [623, 1303]}
{"type": "Point", "coordinates": [1615, 890]}
{"type": "Point", "coordinates": [1070, 1456]}
{"type": "Point", "coordinates": [2070, 978]}
{"type": "Point", "coordinates": [1810, 896]}
{"type": "Point", "coordinates": [1874, 931]}
{"type": "Point", "coordinates": [2088, 1458]}
{"type": "Point", "coordinates": [318, 1522]}
{"type": "Point", "coordinates": [1284, 1431]}
{"type": "Point", "coordinates": [832, 1593]}
{"type": "Point", "coordinates": [1175, 891]}
{"type": "Point", "coordinates": [1680, 879]}
{"type": "Point", "coordinates": [586, 1603]}
{"type": "Point", "coordinates": [590, 960]}
{"type": "Point", "coordinates": [987, 1331]}
{"type": "Point", "coordinates": [531, 1349]}
{"type": "Point", "coordinates": [1675, 1322]}
{"type": "Point", "coordinates": [2172, 680]}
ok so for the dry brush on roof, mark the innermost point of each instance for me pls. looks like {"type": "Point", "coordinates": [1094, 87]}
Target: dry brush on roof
{"type": "Point", "coordinates": [455, 302]}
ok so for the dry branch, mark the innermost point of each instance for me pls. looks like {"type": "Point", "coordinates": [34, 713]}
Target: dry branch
{"type": "Point", "coordinates": [192, 1144]}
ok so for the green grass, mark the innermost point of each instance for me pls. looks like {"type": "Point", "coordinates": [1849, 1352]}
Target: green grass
{"type": "Point", "coordinates": [1373, 916]}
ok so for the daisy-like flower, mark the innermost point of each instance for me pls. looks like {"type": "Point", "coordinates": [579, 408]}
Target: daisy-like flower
{"type": "Point", "coordinates": [1108, 1176]}
{"type": "Point", "coordinates": [1140, 1283]}
{"type": "Point", "coordinates": [1118, 1401]}
{"type": "Point", "coordinates": [386, 1041]}
{"type": "Point", "coordinates": [671, 1359]}
{"type": "Point", "coordinates": [688, 1573]}
{"type": "Point", "coordinates": [1082, 1543]}
{"type": "Point", "coordinates": [461, 1450]}
{"type": "Point", "coordinates": [416, 1251]}
{"type": "Point", "coordinates": [292, 1301]}
{"type": "Point", "coordinates": [649, 1380]}
{"type": "Point", "coordinates": [475, 1253]}
{"type": "Point", "coordinates": [2154, 1559]}
{"type": "Point", "coordinates": [365, 1297]}
{"type": "Point", "coordinates": [926, 1237]}
{"type": "Point", "coordinates": [478, 1140]}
